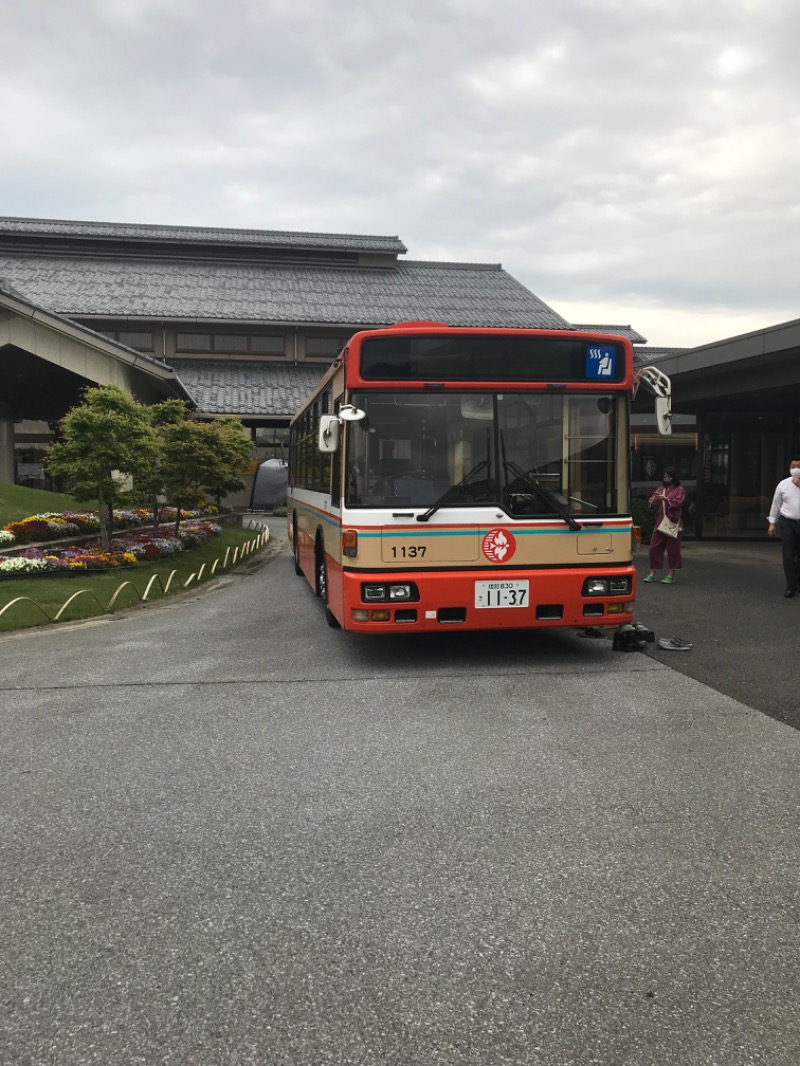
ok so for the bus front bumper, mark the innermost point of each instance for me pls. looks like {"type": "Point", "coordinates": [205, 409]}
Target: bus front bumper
{"type": "Point", "coordinates": [511, 599]}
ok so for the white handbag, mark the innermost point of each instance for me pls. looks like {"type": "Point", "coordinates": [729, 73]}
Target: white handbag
{"type": "Point", "coordinates": [670, 528]}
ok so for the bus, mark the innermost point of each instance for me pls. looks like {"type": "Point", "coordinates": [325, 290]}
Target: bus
{"type": "Point", "coordinates": [445, 477]}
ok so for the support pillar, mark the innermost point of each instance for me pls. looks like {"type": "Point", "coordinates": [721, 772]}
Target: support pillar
{"type": "Point", "coordinates": [6, 445]}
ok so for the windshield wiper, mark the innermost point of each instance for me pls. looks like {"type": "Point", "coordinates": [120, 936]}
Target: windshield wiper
{"type": "Point", "coordinates": [528, 478]}
{"type": "Point", "coordinates": [434, 507]}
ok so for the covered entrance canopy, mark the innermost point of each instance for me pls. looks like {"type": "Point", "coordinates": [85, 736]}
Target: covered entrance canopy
{"type": "Point", "coordinates": [745, 393]}
{"type": "Point", "coordinates": [759, 369]}
{"type": "Point", "coordinates": [46, 361]}
{"type": "Point", "coordinates": [33, 388]}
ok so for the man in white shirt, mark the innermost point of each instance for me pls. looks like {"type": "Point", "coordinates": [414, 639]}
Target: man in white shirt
{"type": "Point", "coordinates": [785, 516]}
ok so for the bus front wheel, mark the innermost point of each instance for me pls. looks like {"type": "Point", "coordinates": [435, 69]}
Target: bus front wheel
{"type": "Point", "coordinates": [322, 586]}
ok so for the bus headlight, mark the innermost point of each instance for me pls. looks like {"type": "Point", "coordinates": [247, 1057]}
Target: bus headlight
{"type": "Point", "coordinates": [399, 593]}
{"type": "Point", "coordinates": [595, 586]}
{"type": "Point", "coordinates": [607, 586]}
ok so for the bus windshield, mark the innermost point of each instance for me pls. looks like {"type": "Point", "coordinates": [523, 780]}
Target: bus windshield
{"type": "Point", "coordinates": [531, 453]}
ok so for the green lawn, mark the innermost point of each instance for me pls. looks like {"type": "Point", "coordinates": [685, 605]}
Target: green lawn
{"type": "Point", "coordinates": [53, 592]}
{"type": "Point", "coordinates": [17, 503]}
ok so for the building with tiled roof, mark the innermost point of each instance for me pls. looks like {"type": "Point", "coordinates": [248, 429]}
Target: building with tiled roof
{"type": "Point", "coordinates": [183, 291]}
{"type": "Point", "coordinates": [96, 285]}
{"type": "Point", "coordinates": [244, 321]}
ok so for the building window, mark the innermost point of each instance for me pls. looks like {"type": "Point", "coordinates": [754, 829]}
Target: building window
{"type": "Point", "coordinates": [267, 345]}
{"type": "Point", "coordinates": [227, 343]}
{"type": "Point", "coordinates": [193, 342]}
{"type": "Point", "coordinates": [141, 341]}
{"type": "Point", "coordinates": [324, 347]}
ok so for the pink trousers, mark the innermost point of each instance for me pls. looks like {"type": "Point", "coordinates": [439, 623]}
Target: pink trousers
{"type": "Point", "coordinates": [659, 543]}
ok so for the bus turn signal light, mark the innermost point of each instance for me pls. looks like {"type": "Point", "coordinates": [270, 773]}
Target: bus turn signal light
{"type": "Point", "coordinates": [350, 543]}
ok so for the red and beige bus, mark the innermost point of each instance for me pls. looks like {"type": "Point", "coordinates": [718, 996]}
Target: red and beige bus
{"type": "Point", "coordinates": [477, 478]}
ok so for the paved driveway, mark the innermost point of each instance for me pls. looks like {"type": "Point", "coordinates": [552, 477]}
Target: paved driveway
{"type": "Point", "coordinates": [728, 601]}
{"type": "Point", "coordinates": [231, 835]}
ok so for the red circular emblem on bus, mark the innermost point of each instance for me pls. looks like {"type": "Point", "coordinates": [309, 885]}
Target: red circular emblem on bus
{"type": "Point", "coordinates": [499, 545]}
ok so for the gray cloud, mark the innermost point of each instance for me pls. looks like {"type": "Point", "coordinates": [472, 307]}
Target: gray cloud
{"type": "Point", "coordinates": [626, 158]}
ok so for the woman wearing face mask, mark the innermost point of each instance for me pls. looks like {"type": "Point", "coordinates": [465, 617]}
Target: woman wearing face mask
{"type": "Point", "coordinates": [667, 500]}
{"type": "Point", "coordinates": [785, 515]}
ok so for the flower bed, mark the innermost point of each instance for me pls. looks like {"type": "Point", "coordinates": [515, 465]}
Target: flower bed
{"type": "Point", "coordinates": [57, 526]}
{"type": "Point", "coordinates": [127, 549]}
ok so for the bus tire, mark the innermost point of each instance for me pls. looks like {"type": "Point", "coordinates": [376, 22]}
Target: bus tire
{"type": "Point", "coordinates": [322, 585]}
{"type": "Point", "coordinates": [296, 550]}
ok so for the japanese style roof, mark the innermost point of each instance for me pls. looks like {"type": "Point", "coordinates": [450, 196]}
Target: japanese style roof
{"type": "Point", "coordinates": [212, 235]}
{"type": "Point", "coordinates": [208, 289]}
{"type": "Point", "coordinates": [617, 331]}
{"type": "Point", "coordinates": [247, 389]}
{"type": "Point", "coordinates": [96, 272]}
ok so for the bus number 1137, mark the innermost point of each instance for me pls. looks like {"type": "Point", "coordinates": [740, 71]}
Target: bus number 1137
{"type": "Point", "coordinates": [414, 551]}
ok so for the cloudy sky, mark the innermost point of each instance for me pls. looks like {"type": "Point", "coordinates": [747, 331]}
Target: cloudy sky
{"type": "Point", "coordinates": [630, 161]}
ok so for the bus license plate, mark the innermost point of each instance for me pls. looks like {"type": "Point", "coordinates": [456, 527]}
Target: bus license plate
{"type": "Point", "coordinates": [501, 593]}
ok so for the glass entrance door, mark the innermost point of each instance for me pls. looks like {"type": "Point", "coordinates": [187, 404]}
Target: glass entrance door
{"type": "Point", "coordinates": [741, 464]}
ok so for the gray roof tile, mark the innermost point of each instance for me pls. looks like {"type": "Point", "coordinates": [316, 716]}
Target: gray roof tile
{"type": "Point", "coordinates": [47, 227]}
{"type": "Point", "coordinates": [461, 294]}
{"type": "Point", "coordinates": [618, 331]}
{"type": "Point", "coordinates": [239, 388]}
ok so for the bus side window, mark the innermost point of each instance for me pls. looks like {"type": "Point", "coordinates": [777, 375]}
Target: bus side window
{"type": "Point", "coordinates": [336, 466]}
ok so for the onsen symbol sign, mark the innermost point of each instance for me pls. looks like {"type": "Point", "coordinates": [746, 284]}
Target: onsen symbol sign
{"type": "Point", "coordinates": [499, 545]}
{"type": "Point", "coordinates": [600, 361]}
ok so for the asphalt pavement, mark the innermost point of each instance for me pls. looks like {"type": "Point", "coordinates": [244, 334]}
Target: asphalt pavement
{"type": "Point", "coordinates": [728, 601]}
{"type": "Point", "coordinates": [233, 836]}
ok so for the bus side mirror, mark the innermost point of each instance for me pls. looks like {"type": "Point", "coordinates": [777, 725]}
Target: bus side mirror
{"type": "Point", "coordinates": [328, 440]}
{"type": "Point", "coordinates": [664, 415]}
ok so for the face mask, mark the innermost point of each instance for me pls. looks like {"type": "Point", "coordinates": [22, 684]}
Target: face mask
{"type": "Point", "coordinates": [795, 471]}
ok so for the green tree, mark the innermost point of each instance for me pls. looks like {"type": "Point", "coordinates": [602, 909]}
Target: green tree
{"type": "Point", "coordinates": [187, 457]}
{"type": "Point", "coordinates": [150, 485]}
{"type": "Point", "coordinates": [194, 459]}
{"type": "Point", "coordinates": [106, 439]}
{"type": "Point", "coordinates": [232, 450]}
